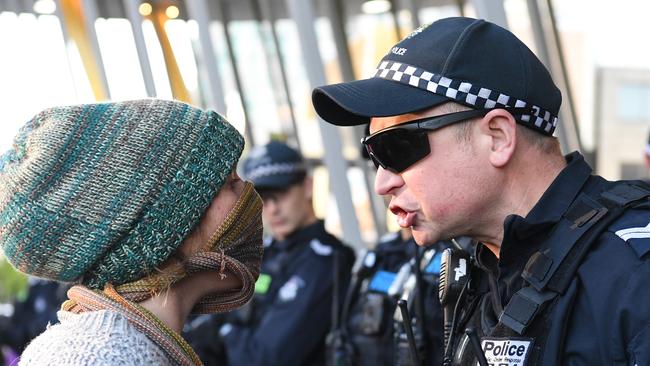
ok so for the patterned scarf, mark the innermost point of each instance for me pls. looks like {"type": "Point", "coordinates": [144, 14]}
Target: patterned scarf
{"type": "Point", "coordinates": [236, 246]}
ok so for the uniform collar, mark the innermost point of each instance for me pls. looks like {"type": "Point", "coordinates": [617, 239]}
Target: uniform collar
{"type": "Point", "coordinates": [524, 236]}
{"type": "Point", "coordinates": [301, 235]}
{"type": "Point", "coordinates": [562, 192]}
{"type": "Point", "coordinates": [555, 201]}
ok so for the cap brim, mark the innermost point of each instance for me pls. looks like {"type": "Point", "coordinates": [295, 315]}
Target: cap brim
{"type": "Point", "coordinates": [274, 182]}
{"type": "Point", "coordinates": [355, 102]}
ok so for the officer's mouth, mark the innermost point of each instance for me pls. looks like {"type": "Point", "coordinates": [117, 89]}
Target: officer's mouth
{"type": "Point", "coordinates": [277, 223]}
{"type": "Point", "coordinates": [405, 219]}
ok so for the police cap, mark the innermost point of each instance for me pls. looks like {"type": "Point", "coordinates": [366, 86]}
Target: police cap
{"type": "Point", "coordinates": [274, 166]}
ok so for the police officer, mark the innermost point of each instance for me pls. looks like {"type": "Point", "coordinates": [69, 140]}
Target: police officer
{"type": "Point", "coordinates": [461, 117]}
{"type": "Point", "coordinates": [290, 314]}
{"type": "Point", "coordinates": [372, 329]}
{"type": "Point", "coordinates": [31, 316]}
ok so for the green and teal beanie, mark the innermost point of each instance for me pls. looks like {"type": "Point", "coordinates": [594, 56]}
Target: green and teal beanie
{"type": "Point", "coordinates": [106, 192]}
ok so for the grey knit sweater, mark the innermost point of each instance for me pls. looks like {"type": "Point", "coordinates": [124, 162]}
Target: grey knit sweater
{"type": "Point", "coordinates": [97, 338]}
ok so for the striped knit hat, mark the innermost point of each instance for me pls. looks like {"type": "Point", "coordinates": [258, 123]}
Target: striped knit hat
{"type": "Point", "coordinates": [105, 192]}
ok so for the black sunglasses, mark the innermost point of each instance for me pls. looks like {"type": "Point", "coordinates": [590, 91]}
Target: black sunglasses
{"type": "Point", "coordinates": [398, 147]}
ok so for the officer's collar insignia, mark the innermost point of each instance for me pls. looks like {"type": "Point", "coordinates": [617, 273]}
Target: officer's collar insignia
{"type": "Point", "coordinates": [266, 242]}
{"type": "Point", "coordinates": [506, 351]}
{"type": "Point", "coordinates": [289, 290]}
{"type": "Point", "coordinates": [320, 248]}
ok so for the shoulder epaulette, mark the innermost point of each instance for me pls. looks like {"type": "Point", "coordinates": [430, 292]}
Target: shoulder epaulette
{"type": "Point", "coordinates": [266, 242]}
{"type": "Point", "coordinates": [635, 232]}
{"type": "Point", "coordinates": [388, 237]}
{"type": "Point", "coordinates": [319, 248]}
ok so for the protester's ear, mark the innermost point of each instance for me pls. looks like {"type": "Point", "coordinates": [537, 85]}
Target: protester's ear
{"type": "Point", "coordinates": [499, 130]}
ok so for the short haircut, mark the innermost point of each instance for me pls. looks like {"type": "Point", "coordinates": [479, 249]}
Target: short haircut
{"type": "Point", "coordinates": [545, 144]}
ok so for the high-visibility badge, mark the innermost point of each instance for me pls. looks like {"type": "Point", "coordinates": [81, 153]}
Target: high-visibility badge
{"type": "Point", "coordinates": [263, 283]}
{"type": "Point", "coordinates": [381, 281]}
{"type": "Point", "coordinates": [434, 266]}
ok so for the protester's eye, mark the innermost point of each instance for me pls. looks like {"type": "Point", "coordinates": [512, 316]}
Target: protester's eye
{"type": "Point", "coordinates": [234, 180]}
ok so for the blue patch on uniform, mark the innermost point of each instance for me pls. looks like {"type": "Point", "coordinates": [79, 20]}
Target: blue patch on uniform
{"type": "Point", "coordinates": [381, 281]}
{"type": "Point", "coordinates": [434, 266]}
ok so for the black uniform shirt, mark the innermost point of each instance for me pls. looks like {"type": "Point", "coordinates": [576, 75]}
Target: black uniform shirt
{"type": "Point", "coordinates": [607, 315]}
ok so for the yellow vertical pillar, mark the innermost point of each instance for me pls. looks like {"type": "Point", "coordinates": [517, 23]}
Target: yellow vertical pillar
{"type": "Point", "coordinates": [179, 90]}
{"type": "Point", "coordinates": [73, 19]}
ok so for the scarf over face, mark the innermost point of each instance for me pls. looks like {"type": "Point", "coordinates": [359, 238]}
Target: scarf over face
{"type": "Point", "coordinates": [235, 246]}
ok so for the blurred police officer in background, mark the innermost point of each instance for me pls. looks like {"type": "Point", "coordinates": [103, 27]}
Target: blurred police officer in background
{"type": "Point", "coordinates": [461, 118]}
{"type": "Point", "coordinates": [372, 329]}
{"type": "Point", "coordinates": [32, 314]}
{"type": "Point", "coordinates": [305, 270]}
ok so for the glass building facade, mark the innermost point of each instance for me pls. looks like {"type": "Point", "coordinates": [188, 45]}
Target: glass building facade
{"type": "Point", "coordinates": [256, 62]}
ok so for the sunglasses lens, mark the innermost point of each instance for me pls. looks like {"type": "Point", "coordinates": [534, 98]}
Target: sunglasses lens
{"type": "Point", "coordinates": [375, 161]}
{"type": "Point", "coordinates": [398, 149]}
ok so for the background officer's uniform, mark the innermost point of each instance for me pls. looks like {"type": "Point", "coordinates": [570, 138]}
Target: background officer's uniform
{"type": "Point", "coordinates": [600, 317]}
{"type": "Point", "coordinates": [371, 331]}
{"type": "Point", "coordinates": [32, 315]}
{"type": "Point", "coordinates": [291, 312]}
{"type": "Point", "coordinates": [304, 273]}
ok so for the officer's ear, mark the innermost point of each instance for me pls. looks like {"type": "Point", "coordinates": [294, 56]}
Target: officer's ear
{"type": "Point", "coordinates": [498, 136]}
{"type": "Point", "coordinates": [308, 186]}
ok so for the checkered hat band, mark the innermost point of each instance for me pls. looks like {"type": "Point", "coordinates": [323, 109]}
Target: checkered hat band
{"type": "Point", "coordinates": [466, 93]}
{"type": "Point", "coordinates": [276, 169]}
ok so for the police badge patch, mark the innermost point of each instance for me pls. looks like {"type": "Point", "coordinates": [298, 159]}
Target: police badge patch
{"type": "Point", "coordinates": [506, 351]}
{"type": "Point", "coordinates": [417, 31]}
{"type": "Point", "coordinates": [289, 290]}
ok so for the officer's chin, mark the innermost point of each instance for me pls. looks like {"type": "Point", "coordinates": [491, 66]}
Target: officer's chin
{"type": "Point", "coordinates": [424, 238]}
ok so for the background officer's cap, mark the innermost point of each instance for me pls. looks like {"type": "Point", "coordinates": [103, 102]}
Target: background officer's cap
{"type": "Point", "coordinates": [274, 166]}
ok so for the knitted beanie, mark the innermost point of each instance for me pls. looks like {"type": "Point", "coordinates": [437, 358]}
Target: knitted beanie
{"type": "Point", "coordinates": [105, 192]}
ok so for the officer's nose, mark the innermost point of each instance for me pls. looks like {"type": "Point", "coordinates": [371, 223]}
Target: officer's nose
{"type": "Point", "coordinates": [386, 181]}
{"type": "Point", "coordinates": [270, 204]}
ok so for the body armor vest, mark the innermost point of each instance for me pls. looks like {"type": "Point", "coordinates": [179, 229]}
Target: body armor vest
{"type": "Point", "coordinates": [522, 333]}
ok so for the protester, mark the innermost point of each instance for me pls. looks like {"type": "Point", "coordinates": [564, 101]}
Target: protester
{"type": "Point", "coordinates": [461, 118]}
{"type": "Point", "coordinates": [138, 203]}
{"type": "Point", "coordinates": [304, 270]}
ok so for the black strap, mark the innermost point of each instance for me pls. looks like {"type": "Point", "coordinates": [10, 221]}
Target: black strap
{"type": "Point", "coordinates": [580, 218]}
{"type": "Point", "coordinates": [549, 271]}
{"type": "Point", "coordinates": [523, 307]}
